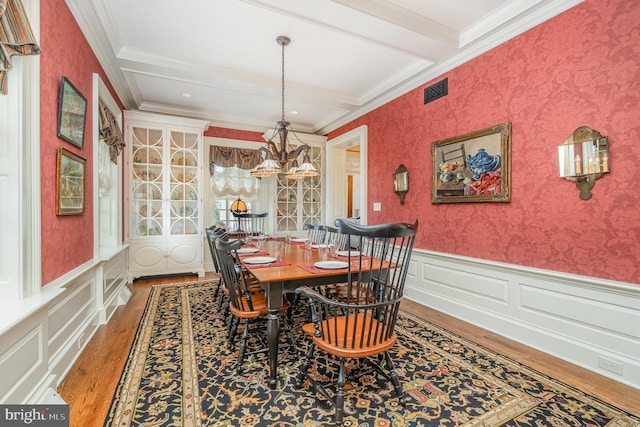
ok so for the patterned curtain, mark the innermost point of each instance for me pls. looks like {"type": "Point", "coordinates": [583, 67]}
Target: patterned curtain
{"type": "Point", "coordinates": [110, 131]}
{"type": "Point", "coordinates": [16, 37]}
{"type": "Point", "coordinates": [243, 158]}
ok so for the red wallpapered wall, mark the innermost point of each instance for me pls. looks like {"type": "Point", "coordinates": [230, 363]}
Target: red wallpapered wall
{"type": "Point", "coordinates": [580, 68]}
{"type": "Point", "coordinates": [67, 241]}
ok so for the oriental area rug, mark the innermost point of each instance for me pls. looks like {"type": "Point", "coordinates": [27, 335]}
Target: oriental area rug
{"type": "Point", "coordinates": [180, 372]}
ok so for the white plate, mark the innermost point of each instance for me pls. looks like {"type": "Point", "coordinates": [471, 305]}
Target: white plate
{"type": "Point", "coordinates": [314, 246]}
{"type": "Point", "coordinates": [331, 265]}
{"type": "Point", "coordinates": [346, 253]}
{"type": "Point", "coordinates": [259, 260]}
{"type": "Point", "coordinates": [298, 240]}
{"type": "Point", "coordinates": [248, 250]}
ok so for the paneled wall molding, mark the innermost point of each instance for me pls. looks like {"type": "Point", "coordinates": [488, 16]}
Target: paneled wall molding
{"type": "Point", "coordinates": [580, 319]}
{"type": "Point", "coordinates": [587, 321]}
{"type": "Point", "coordinates": [40, 345]}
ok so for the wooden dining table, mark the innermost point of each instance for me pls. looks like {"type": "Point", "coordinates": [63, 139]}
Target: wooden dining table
{"type": "Point", "coordinates": [295, 268]}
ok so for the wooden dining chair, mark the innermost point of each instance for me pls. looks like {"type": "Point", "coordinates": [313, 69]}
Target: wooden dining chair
{"type": "Point", "coordinates": [250, 224]}
{"type": "Point", "coordinates": [246, 307]}
{"type": "Point", "coordinates": [316, 233]}
{"type": "Point", "coordinates": [337, 238]}
{"type": "Point", "coordinates": [214, 232]}
{"type": "Point", "coordinates": [363, 328]}
{"type": "Point", "coordinates": [222, 293]}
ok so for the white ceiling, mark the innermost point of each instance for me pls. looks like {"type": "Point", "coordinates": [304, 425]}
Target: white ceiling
{"type": "Point", "coordinates": [346, 57]}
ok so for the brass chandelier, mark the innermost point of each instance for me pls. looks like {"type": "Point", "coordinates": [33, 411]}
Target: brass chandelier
{"type": "Point", "coordinates": [276, 159]}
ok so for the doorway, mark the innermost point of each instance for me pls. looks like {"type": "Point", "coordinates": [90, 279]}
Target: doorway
{"type": "Point", "coordinates": [338, 168]}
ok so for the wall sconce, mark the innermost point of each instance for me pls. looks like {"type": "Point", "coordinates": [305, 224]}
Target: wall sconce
{"type": "Point", "coordinates": [401, 182]}
{"type": "Point", "coordinates": [238, 206]}
{"type": "Point", "coordinates": [584, 158]}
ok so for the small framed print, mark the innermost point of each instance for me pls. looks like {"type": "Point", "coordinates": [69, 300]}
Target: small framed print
{"type": "Point", "coordinates": [72, 112]}
{"type": "Point", "coordinates": [70, 183]}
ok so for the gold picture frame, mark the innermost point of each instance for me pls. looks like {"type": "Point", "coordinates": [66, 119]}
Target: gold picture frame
{"type": "Point", "coordinates": [474, 167]}
{"type": "Point", "coordinates": [70, 183]}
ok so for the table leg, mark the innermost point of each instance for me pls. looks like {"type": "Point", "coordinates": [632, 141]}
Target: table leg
{"type": "Point", "coordinates": [274, 302]}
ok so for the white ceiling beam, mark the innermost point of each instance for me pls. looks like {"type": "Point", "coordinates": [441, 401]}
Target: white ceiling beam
{"type": "Point", "coordinates": [404, 18]}
{"type": "Point", "coordinates": [356, 23]}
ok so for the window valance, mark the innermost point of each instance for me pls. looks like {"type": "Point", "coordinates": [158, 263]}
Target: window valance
{"type": "Point", "coordinates": [16, 37]}
{"type": "Point", "coordinates": [110, 131]}
{"type": "Point", "coordinates": [243, 158]}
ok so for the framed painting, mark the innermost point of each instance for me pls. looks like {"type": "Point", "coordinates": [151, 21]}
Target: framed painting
{"type": "Point", "coordinates": [72, 111]}
{"type": "Point", "coordinates": [70, 183]}
{"type": "Point", "coordinates": [474, 167]}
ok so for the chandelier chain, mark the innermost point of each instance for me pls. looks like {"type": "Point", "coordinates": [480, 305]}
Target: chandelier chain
{"type": "Point", "coordinates": [283, 45]}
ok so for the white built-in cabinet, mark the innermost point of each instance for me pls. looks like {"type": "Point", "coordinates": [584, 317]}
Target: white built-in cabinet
{"type": "Point", "coordinates": [299, 202]}
{"type": "Point", "coordinates": [164, 194]}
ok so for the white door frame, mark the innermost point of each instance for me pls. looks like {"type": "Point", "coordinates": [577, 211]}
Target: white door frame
{"type": "Point", "coordinates": [336, 174]}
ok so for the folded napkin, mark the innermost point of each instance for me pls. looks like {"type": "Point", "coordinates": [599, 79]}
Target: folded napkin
{"type": "Point", "coordinates": [309, 268]}
{"type": "Point", "coordinates": [273, 264]}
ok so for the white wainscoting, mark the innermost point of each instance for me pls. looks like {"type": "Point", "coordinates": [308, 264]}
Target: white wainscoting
{"type": "Point", "coordinates": [579, 319]}
{"type": "Point", "coordinates": [52, 328]}
{"type": "Point", "coordinates": [587, 321]}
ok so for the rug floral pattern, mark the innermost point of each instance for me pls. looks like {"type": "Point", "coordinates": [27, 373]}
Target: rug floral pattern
{"type": "Point", "coordinates": [181, 373]}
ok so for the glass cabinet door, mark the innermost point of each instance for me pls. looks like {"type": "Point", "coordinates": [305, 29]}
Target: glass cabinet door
{"type": "Point", "coordinates": [147, 181]}
{"type": "Point", "coordinates": [287, 210]}
{"type": "Point", "coordinates": [312, 191]}
{"type": "Point", "coordinates": [183, 183]}
{"type": "Point", "coordinates": [299, 202]}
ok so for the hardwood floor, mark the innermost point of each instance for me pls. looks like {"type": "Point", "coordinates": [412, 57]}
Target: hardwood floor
{"type": "Point", "coordinates": [91, 382]}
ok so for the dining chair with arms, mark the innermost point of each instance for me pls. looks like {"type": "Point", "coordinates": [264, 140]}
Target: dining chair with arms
{"type": "Point", "coordinates": [363, 328]}
{"type": "Point", "coordinates": [246, 307]}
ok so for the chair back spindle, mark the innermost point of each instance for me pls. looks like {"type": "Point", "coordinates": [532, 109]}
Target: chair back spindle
{"type": "Point", "coordinates": [250, 224]}
{"type": "Point", "coordinates": [316, 233]}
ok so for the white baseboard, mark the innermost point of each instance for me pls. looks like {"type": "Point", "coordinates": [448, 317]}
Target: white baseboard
{"type": "Point", "coordinates": [590, 322]}
{"type": "Point", "coordinates": [49, 397]}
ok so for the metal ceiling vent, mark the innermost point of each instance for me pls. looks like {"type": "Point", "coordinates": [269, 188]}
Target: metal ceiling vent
{"type": "Point", "coordinates": [436, 90]}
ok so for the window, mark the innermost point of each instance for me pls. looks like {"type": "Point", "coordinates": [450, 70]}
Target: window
{"type": "Point", "coordinates": [107, 179]}
{"type": "Point", "coordinates": [225, 186]}
{"type": "Point", "coordinates": [20, 272]}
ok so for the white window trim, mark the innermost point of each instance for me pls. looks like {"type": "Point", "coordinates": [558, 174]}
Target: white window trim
{"type": "Point", "coordinates": [265, 194]}
{"type": "Point", "coordinates": [32, 264]}
{"type": "Point", "coordinates": [23, 114]}
{"type": "Point", "coordinates": [24, 292]}
{"type": "Point", "coordinates": [102, 249]}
